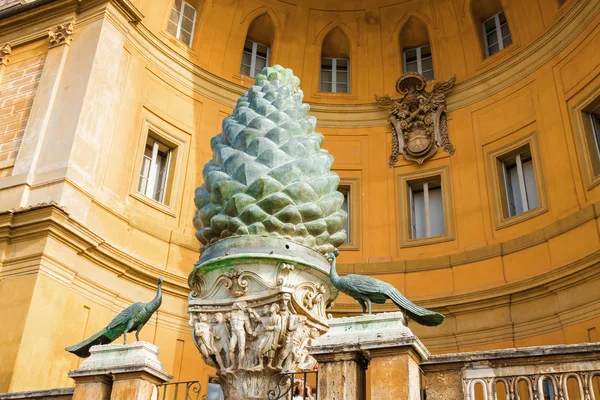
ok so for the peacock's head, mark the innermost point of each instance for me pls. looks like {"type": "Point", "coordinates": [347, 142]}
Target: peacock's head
{"type": "Point", "coordinates": [160, 281]}
{"type": "Point", "coordinates": [330, 257]}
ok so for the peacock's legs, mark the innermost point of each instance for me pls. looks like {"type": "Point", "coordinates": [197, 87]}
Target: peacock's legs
{"type": "Point", "coordinates": [137, 335]}
{"type": "Point", "coordinates": [363, 305]}
{"type": "Point", "coordinates": [369, 305]}
{"type": "Point", "coordinates": [125, 337]}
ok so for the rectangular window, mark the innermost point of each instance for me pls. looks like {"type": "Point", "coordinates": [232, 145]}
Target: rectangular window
{"type": "Point", "coordinates": [519, 182]}
{"type": "Point", "coordinates": [595, 121]}
{"type": "Point", "coordinates": [335, 75]}
{"type": "Point", "coordinates": [182, 21]}
{"type": "Point", "coordinates": [155, 170]}
{"type": "Point", "coordinates": [255, 57]}
{"type": "Point", "coordinates": [426, 208]}
{"type": "Point", "coordinates": [419, 60]}
{"type": "Point", "coordinates": [496, 34]}
{"type": "Point", "coordinates": [346, 206]}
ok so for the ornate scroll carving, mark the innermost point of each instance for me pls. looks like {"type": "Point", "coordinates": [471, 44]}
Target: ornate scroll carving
{"type": "Point", "coordinates": [418, 118]}
{"type": "Point", "coordinates": [4, 53]}
{"type": "Point", "coordinates": [60, 35]}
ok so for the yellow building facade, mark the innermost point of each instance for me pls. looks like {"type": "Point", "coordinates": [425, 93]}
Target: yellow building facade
{"type": "Point", "coordinates": [86, 87]}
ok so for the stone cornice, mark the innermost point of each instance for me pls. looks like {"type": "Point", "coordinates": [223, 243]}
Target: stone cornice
{"type": "Point", "coordinates": [474, 89]}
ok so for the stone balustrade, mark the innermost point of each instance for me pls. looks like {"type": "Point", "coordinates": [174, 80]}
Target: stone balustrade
{"type": "Point", "coordinates": [562, 372]}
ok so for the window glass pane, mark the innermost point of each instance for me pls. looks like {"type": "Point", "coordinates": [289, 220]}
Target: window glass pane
{"type": "Point", "coordinates": [502, 17]}
{"type": "Point", "coordinates": [410, 55]}
{"type": "Point", "coordinates": [595, 116]}
{"type": "Point", "coordinates": [172, 28]}
{"type": "Point", "coordinates": [341, 64]}
{"type": "Point", "coordinates": [246, 58]}
{"type": "Point", "coordinates": [504, 30]}
{"type": "Point", "coordinates": [189, 11]}
{"type": "Point", "coordinates": [428, 75]}
{"type": "Point", "coordinates": [174, 17]}
{"type": "Point", "coordinates": [261, 50]}
{"type": "Point", "coordinates": [341, 77]}
{"type": "Point", "coordinates": [177, 4]}
{"type": "Point", "coordinates": [326, 76]}
{"type": "Point", "coordinates": [530, 186]}
{"type": "Point", "coordinates": [427, 64]}
{"type": "Point", "coordinates": [425, 51]}
{"type": "Point", "coordinates": [341, 88]}
{"type": "Point", "coordinates": [346, 207]}
{"type": "Point", "coordinates": [248, 46]}
{"type": "Point", "coordinates": [325, 87]}
{"type": "Point", "coordinates": [418, 203]}
{"type": "Point", "coordinates": [507, 41]}
{"type": "Point", "coordinates": [492, 38]}
{"type": "Point", "coordinates": [489, 25]}
{"type": "Point", "coordinates": [513, 191]}
{"type": "Point", "coordinates": [326, 63]}
{"type": "Point", "coordinates": [412, 67]}
{"type": "Point", "coordinates": [245, 70]}
{"type": "Point", "coordinates": [260, 63]}
{"type": "Point", "coordinates": [161, 176]}
{"type": "Point", "coordinates": [185, 37]}
{"type": "Point", "coordinates": [436, 212]}
{"type": "Point", "coordinates": [493, 49]}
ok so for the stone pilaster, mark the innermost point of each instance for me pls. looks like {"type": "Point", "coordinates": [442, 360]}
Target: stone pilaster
{"type": "Point", "coordinates": [119, 372]}
{"type": "Point", "coordinates": [391, 352]}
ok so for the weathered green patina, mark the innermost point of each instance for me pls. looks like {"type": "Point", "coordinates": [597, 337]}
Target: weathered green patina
{"type": "Point", "coordinates": [269, 175]}
{"type": "Point", "coordinates": [133, 318]}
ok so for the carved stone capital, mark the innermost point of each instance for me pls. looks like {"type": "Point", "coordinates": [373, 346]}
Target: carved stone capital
{"type": "Point", "coordinates": [4, 53]}
{"type": "Point", "coordinates": [62, 34]}
{"type": "Point", "coordinates": [253, 317]}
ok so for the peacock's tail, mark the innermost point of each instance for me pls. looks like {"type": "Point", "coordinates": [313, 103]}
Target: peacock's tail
{"type": "Point", "coordinates": [419, 314]}
{"type": "Point", "coordinates": [82, 349]}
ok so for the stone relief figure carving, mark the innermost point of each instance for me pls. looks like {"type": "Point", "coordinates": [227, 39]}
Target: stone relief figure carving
{"type": "Point", "coordinates": [269, 341]}
{"type": "Point", "coordinates": [294, 331]}
{"type": "Point", "coordinates": [240, 324]}
{"type": "Point", "coordinates": [221, 337]}
{"type": "Point", "coordinates": [304, 361]}
{"type": "Point", "coordinates": [418, 118]}
{"type": "Point", "coordinates": [205, 341]}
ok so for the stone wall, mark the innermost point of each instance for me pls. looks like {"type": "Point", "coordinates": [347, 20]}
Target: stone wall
{"type": "Point", "coordinates": [18, 86]}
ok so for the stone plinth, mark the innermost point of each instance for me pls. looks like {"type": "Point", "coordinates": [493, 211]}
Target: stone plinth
{"type": "Point", "coordinates": [381, 342]}
{"type": "Point", "coordinates": [119, 372]}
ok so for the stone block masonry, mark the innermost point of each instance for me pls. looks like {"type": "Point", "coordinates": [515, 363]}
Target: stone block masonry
{"type": "Point", "coordinates": [18, 86]}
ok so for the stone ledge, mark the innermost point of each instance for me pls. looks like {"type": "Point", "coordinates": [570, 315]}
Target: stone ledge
{"type": "Point", "coordinates": [54, 394]}
{"type": "Point", "coordinates": [113, 359]}
{"type": "Point", "coordinates": [368, 332]}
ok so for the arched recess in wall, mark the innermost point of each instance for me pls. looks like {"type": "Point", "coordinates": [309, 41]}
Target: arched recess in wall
{"type": "Point", "coordinates": [184, 19]}
{"type": "Point", "coordinates": [492, 25]}
{"type": "Point", "coordinates": [336, 60]}
{"type": "Point", "coordinates": [260, 42]}
{"type": "Point", "coordinates": [415, 46]}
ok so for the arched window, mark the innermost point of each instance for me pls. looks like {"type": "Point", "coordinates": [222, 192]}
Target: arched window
{"type": "Point", "coordinates": [257, 47]}
{"type": "Point", "coordinates": [416, 49]}
{"type": "Point", "coordinates": [182, 21]}
{"type": "Point", "coordinates": [335, 62]}
{"type": "Point", "coordinates": [492, 25]}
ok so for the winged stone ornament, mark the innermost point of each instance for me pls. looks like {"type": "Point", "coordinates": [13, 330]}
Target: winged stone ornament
{"type": "Point", "coordinates": [418, 118]}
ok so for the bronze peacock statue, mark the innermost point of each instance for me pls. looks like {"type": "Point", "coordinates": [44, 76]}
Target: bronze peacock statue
{"type": "Point", "coordinates": [133, 318]}
{"type": "Point", "coordinates": [366, 290]}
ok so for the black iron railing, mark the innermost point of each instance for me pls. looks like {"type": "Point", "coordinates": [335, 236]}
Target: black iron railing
{"type": "Point", "coordinates": [180, 391]}
{"type": "Point", "coordinates": [290, 385]}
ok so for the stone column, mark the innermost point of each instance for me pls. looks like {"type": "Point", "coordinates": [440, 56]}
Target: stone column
{"type": "Point", "coordinates": [119, 372]}
{"type": "Point", "coordinates": [342, 374]}
{"type": "Point", "coordinates": [392, 350]}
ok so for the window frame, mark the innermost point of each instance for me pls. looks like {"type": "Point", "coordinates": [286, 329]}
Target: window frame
{"type": "Point", "coordinates": [334, 75]}
{"type": "Point", "coordinates": [253, 57]}
{"type": "Point", "coordinates": [405, 181]}
{"type": "Point", "coordinates": [581, 124]}
{"type": "Point", "coordinates": [352, 185]}
{"type": "Point", "coordinates": [498, 26]}
{"type": "Point", "coordinates": [174, 136]}
{"type": "Point", "coordinates": [153, 177]}
{"type": "Point", "coordinates": [180, 22]}
{"type": "Point", "coordinates": [419, 60]}
{"type": "Point", "coordinates": [497, 185]}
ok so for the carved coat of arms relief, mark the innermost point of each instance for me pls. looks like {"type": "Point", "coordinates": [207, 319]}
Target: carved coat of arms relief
{"type": "Point", "coordinates": [418, 118]}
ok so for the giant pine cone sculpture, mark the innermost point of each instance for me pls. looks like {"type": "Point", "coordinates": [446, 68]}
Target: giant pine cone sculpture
{"type": "Point", "coordinates": [269, 175]}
